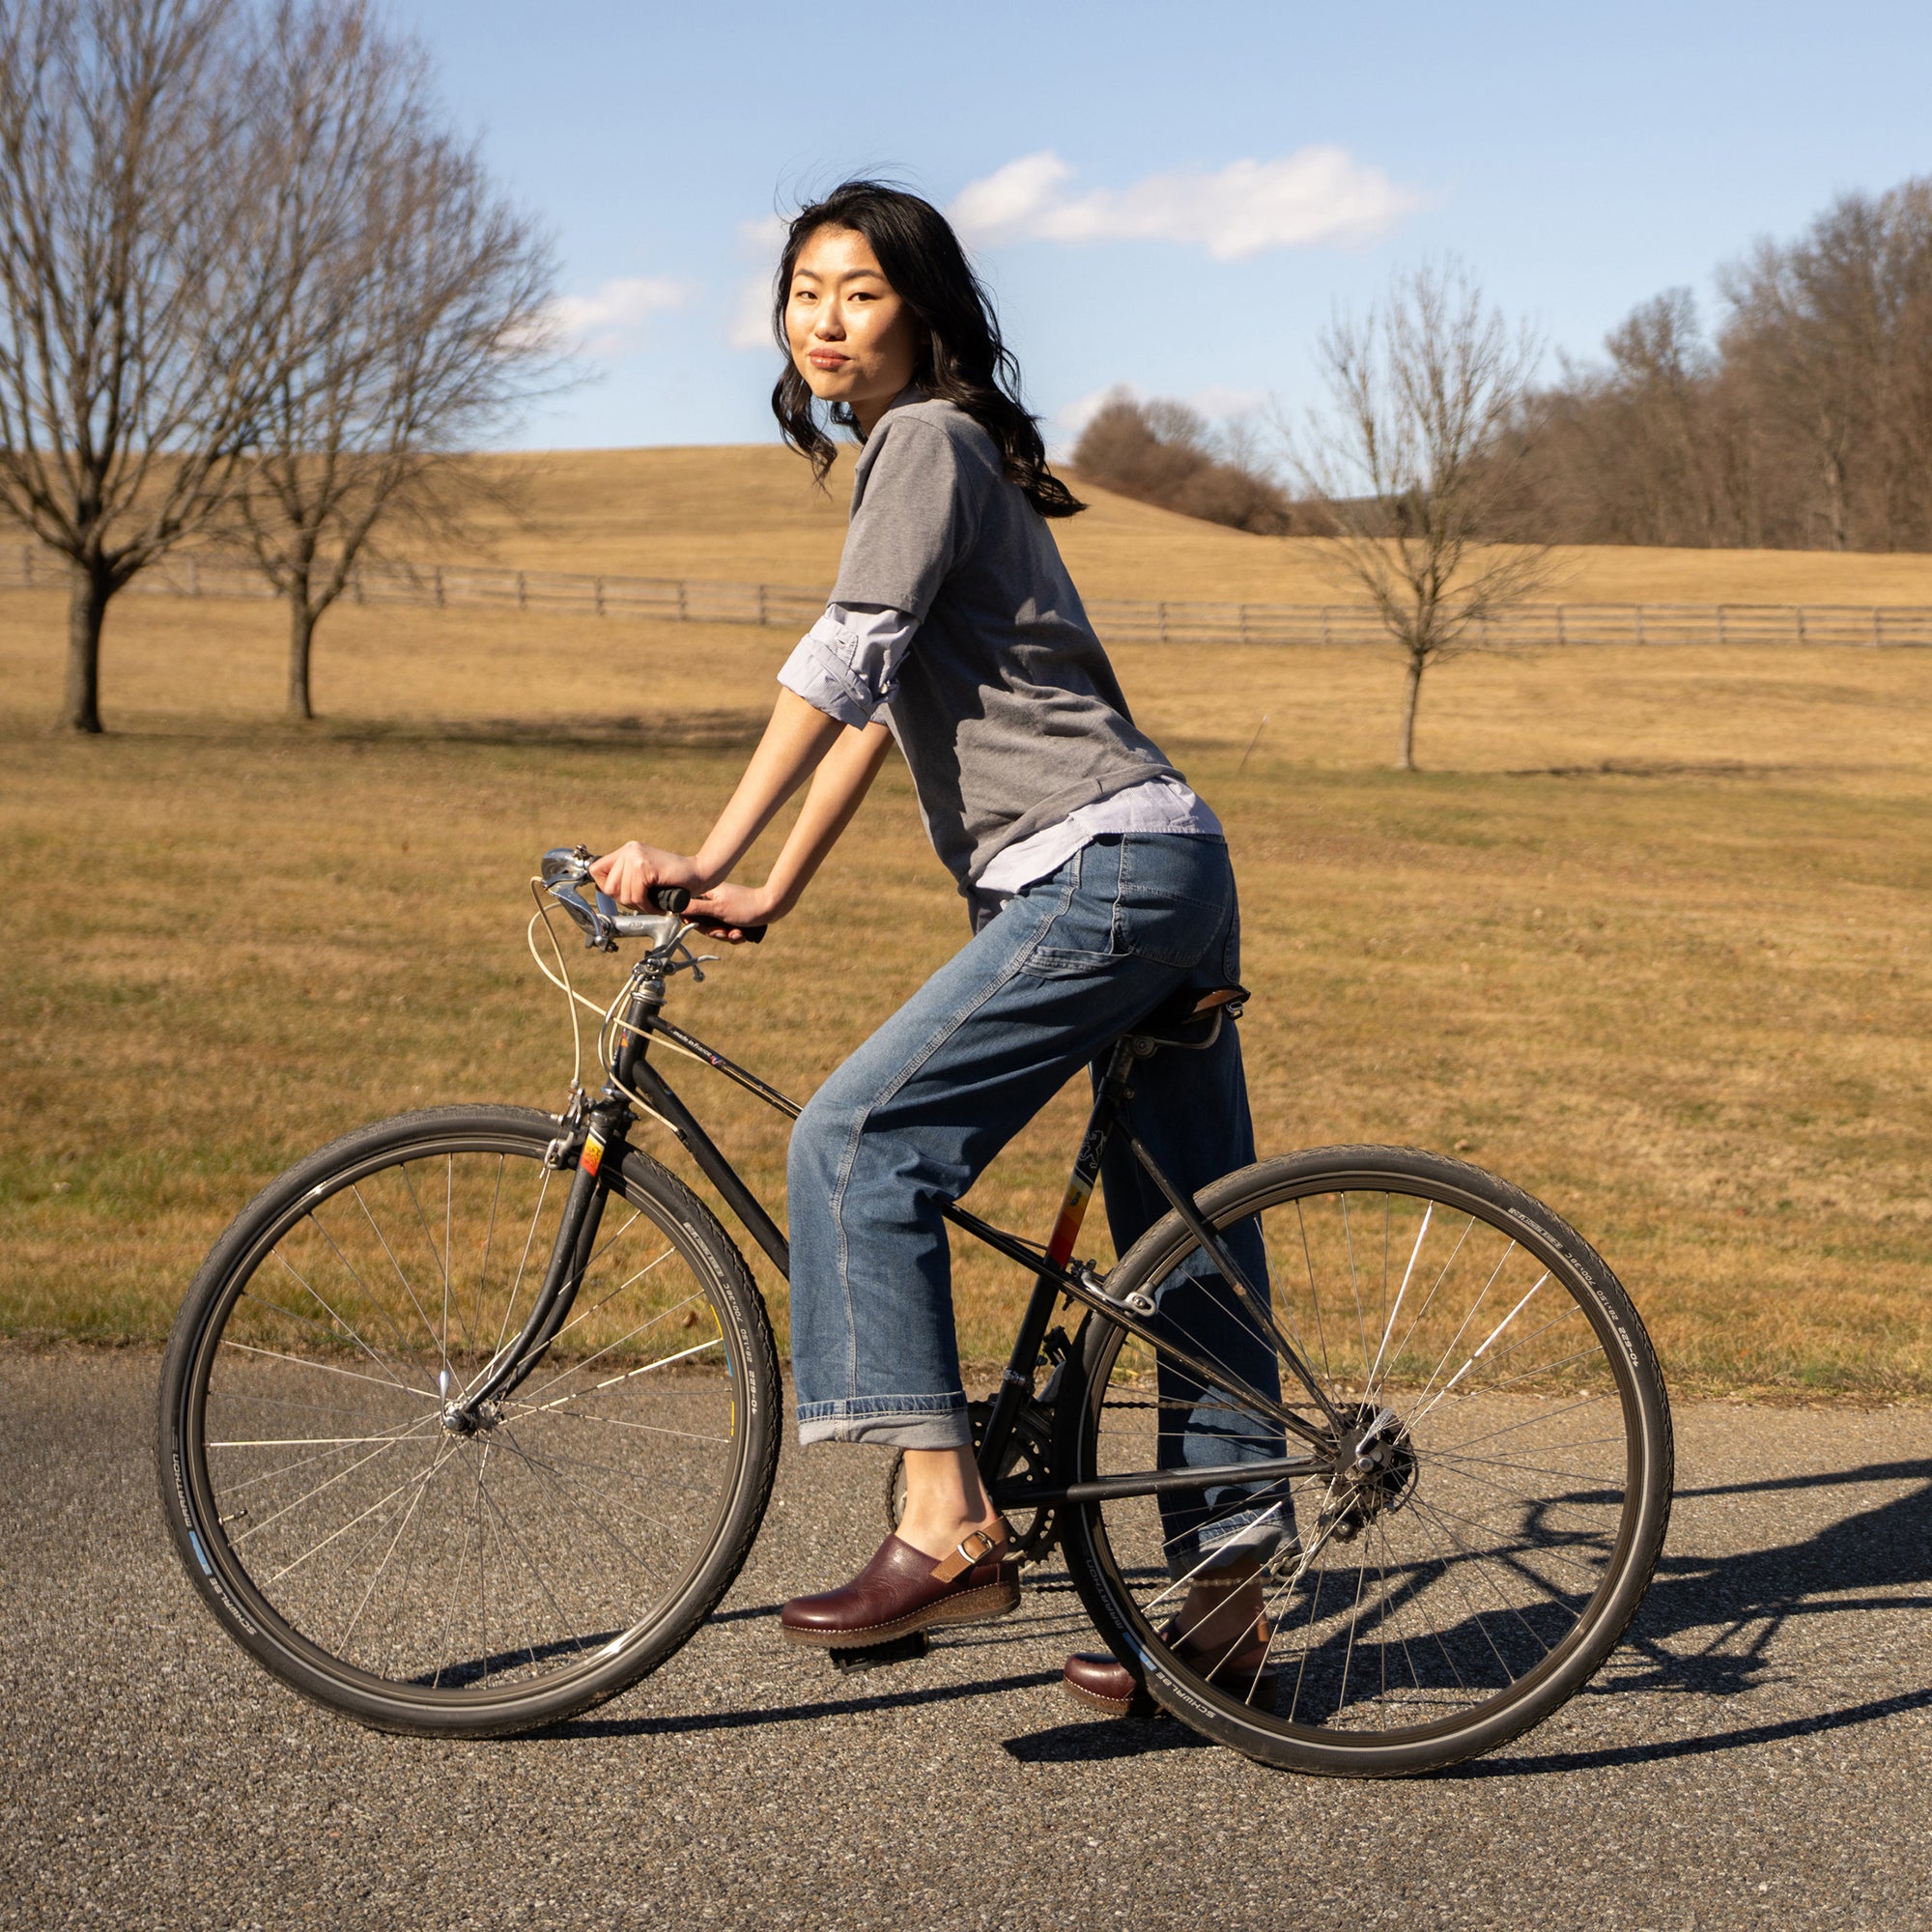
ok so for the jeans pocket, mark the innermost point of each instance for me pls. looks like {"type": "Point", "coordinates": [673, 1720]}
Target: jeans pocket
{"type": "Point", "coordinates": [1175, 898]}
{"type": "Point", "coordinates": [1060, 962]}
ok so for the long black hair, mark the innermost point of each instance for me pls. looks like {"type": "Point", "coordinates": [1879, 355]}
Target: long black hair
{"type": "Point", "coordinates": [961, 358]}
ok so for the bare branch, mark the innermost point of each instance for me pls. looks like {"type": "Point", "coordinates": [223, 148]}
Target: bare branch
{"type": "Point", "coordinates": [1411, 460]}
{"type": "Point", "coordinates": [417, 322]}
{"type": "Point", "coordinates": [139, 296]}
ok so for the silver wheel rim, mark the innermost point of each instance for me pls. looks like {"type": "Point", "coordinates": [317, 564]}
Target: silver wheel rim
{"type": "Point", "coordinates": [444, 1567]}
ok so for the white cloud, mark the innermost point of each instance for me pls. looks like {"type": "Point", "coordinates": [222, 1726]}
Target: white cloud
{"type": "Point", "coordinates": [1012, 200]}
{"type": "Point", "coordinates": [613, 319]}
{"type": "Point", "coordinates": [1316, 195]}
{"type": "Point", "coordinates": [751, 324]}
{"type": "Point", "coordinates": [1217, 404]}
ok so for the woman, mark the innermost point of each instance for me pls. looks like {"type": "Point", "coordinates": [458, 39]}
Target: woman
{"type": "Point", "coordinates": [1097, 882]}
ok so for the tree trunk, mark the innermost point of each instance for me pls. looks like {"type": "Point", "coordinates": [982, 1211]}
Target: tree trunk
{"type": "Point", "coordinates": [90, 587]}
{"type": "Point", "coordinates": [302, 635]}
{"type": "Point", "coordinates": [1411, 690]}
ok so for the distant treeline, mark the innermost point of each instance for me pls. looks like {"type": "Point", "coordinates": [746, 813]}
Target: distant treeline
{"type": "Point", "coordinates": [1166, 454]}
{"type": "Point", "coordinates": [1801, 421]}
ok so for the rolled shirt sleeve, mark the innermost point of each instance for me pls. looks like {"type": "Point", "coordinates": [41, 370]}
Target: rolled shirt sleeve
{"type": "Point", "coordinates": [845, 665]}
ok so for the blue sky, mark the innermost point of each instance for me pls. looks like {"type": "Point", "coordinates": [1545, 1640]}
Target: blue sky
{"type": "Point", "coordinates": [1169, 196]}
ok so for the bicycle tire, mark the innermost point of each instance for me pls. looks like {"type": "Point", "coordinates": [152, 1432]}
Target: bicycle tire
{"type": "Point", "coordinates": [1458, 1561]}
{"type": "Point", "coordinates": [590, 1591]}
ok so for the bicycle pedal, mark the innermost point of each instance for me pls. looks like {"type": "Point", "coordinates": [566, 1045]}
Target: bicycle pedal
{"type": "Point", "coordinates": [875, 1657]}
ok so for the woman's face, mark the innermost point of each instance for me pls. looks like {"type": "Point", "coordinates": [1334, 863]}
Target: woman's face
{"type": "Point", "coordinates": [852, 338]}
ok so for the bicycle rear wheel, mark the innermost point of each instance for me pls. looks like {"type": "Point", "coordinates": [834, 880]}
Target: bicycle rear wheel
{"type": "Point", "coordinates": [1487, 1504]}
{"type": "Point", "coordinates": [475, 1583]}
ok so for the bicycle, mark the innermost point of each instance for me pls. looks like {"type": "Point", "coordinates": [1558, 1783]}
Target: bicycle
{"type": "Point", "coordinates": [445, 1453]}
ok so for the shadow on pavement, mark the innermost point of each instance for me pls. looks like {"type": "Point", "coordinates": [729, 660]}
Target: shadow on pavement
{"type": "Point", "coordinates": [1733, 1607]}
{"type": "Point", "coordinates": [1705, 1631]}
{"type": "Point", "coordinates": [789, 1714]}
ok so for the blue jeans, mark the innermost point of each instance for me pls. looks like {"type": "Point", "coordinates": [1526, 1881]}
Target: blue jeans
{"type": "Point", "coordinates": [906, 1125]}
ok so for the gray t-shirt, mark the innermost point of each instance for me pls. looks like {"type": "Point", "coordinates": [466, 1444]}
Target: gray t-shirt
{"type": "Point", "coordinates": [1005, 704]}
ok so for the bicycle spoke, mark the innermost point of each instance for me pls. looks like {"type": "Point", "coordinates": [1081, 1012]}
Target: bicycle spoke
{"type": "Point", "coordinates": [1468, 1526]}
{"type": "Point", "coordinates": [457, 1553]}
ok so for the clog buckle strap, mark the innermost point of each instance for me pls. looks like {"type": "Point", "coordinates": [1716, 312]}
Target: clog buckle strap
{"type": "Point", "coordinates": [971, 1549]}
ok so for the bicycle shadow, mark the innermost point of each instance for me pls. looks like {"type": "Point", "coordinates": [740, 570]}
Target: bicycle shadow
{"type": "Point", "coordinates": [1042, 1592]}
{"type": "Point", "coordinates": [1730, 1611]}
{"type": "Point", "coordinates": [1707, 1629]}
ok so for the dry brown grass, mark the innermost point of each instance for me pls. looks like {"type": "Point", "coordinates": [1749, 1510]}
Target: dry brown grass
{"type": "Point", "coordinates": [750, 513]}
{"type": "Point", "coordinates": [1684, 1000]}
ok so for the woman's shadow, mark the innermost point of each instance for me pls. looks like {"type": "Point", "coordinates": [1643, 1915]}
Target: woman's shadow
{"type": "Point", "coordinates": [1707, 1629]}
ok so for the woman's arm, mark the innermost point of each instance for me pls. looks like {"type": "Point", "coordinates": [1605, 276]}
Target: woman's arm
{"type": "Point", "coordinates": [797, 738]}
{"type": "Point", "coordinates": [838, 789]}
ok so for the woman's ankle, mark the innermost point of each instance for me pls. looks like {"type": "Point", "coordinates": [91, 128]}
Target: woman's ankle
{"type": "Point", "coordinates": [939, 1535]}
{"type": "Point", "coordinates": [945, 1501]}
{"type": "Point", "coordinates": [1220, 1609]}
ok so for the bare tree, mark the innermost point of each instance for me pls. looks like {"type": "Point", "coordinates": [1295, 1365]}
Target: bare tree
{"type": "Point", "coordinates": [1658, 447]}
{"type": "Point", "coordinates": [417, 323]}
{"type": "Point", "coordinates": [141, 287]}
{"type": "Point", "coordinates": [1834, 335]}
{"type": "Point", "coordinates": [1411, 462]}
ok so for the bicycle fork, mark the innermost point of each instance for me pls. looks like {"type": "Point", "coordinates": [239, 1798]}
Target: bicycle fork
{"type": "Point", "coordinates": [606, 1123]}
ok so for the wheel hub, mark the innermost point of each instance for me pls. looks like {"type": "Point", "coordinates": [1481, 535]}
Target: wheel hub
{"type": "Point", "coordinates": [457, 1419]}
{"type": "Point", "coordinates": [1374, 1469]}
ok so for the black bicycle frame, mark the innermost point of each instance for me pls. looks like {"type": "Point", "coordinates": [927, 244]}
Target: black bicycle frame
{"type": "Point", "coordinates": [606, 1123]}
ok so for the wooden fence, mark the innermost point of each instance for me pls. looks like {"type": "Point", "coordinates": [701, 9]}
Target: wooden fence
{"type": "Point", "coordinates": [790, 608]}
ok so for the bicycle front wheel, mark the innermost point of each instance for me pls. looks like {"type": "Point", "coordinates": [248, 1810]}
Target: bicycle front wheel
{"type": "Point", "coordinates": [482, 1578]}
{"type": "Point", "coordinates": [1482, 1505]}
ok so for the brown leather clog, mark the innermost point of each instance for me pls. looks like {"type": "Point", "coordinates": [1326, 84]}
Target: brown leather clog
{"type": "Point", "coordinates": [1097, 1680]}
{"type": "Point", "coordinates": [902, 1590]}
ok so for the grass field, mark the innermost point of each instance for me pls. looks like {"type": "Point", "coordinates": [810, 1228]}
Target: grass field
{"type": "Point", "coordinates": [749, 514]}
{"type": "Point", "coordinates": [1683, 998]}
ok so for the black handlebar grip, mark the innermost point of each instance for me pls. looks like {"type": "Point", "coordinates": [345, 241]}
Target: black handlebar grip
{"type": "Point", "coordinates": [669, 899]}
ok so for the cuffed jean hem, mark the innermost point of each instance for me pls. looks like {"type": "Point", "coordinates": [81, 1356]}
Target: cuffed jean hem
{"type": "Point", "coordinates": [1250, 1536]}
{"type": "Point", "coordinates": [893, 1421]}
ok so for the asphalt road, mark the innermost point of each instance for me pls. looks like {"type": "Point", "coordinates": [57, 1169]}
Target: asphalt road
{"type": "Point", "coordinates": [1759, 1753]}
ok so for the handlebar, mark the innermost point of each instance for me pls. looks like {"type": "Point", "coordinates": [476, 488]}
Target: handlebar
{"type": "Point", "coordinates": [565, 870]}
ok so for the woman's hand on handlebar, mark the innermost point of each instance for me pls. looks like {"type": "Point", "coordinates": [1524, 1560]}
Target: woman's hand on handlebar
{"type": "Point", "coordinates": [735, 914]}
{"type": "Point", "coordinates": [630, 871]}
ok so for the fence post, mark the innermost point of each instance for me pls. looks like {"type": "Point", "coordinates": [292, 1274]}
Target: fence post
{"type": "Point", "coordinates": [1720, 623]}
{"type": "Point", "coordinates": [1637, 611]}
{"type": "Point", "coordinates": [520, 590]}
{"type": "Point", "coordinates": [439, 586]}
{"type": "Point", "coordinates": [1560, 637]}
{"type": "Point", "coordinates": [1878, 633]}
{"type": "Point", "coordinates": [1241, 611]}
{"type": "Point", "coordinates": [1797, 618]}
{"type": "Point", "coordinates": [597, 594]}
{"type": "Point", "coordinates": [681, 617]}
{"type": "Point", "coordinates": [1325, 624]}
{"type": "Point", "coordinates": [762, 619]}
{"type": "Point", "coordinates": [1161, 621]}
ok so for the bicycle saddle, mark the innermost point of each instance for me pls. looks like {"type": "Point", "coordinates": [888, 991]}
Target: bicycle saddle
{"type": "Point", "coordinates": [1190, 1016]}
